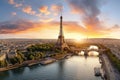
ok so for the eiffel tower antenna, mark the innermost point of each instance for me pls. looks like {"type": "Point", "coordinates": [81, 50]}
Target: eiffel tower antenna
{"type": "Point", "coordinates": [61, 10]}
{"type": "Point", "coordinates": [61, 22]}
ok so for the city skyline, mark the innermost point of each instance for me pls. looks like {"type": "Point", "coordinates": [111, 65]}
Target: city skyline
{"type": "Point", "coordinates": [40, 19]}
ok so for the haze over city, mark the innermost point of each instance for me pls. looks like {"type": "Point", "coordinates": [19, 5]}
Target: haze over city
{"type": "Point", "coordinates": [59, 40]}
{"type": "Point", "coordinates": [40, 18]}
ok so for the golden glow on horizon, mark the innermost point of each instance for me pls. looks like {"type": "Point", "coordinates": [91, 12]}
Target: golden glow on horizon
{"type": "Point", "coordinates": [51, 31]}
{"type": "Point", "coordinates": [78, 39]}
{"type": "Point", "coordinates": [76, 36]}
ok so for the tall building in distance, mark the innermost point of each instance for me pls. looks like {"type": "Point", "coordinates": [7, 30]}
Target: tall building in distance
{"type": "Point", "coordinates": [61, 44]}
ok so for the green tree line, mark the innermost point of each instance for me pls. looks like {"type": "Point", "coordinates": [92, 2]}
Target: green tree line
{"type": "Point", "coordinates": [40, 47]}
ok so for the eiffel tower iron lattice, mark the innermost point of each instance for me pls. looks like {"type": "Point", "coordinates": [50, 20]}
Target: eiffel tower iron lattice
{"type": "Point", "coordinates": [61, 44]}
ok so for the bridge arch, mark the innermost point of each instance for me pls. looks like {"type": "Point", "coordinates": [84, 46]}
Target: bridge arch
{"type": "Point", "coordinates": [90, 48]}
{"type": "Point", "coordinates": [93, 47]}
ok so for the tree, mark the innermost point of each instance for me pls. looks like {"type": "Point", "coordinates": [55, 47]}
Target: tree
{"type": "Point", "coordinates": [31, 57]}
{"type": "Point", "coordinates": [19, 59]}
{"type": "Point", "coordinates": [13, 60]}
{"type": "Point", "coordinates": [3, 63]}
{"type": "Point", "coordinates": [40, 47]}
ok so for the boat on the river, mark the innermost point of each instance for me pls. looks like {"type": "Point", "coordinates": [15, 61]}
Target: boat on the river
{"type": "Point", "coordinates": [31, 64]}
{"type": "Point", "coordinates": [68, 56]}
{"type": "Point", "coordinates": [97, 71]}
{"type": "Point", "coordinates": [47, 61]}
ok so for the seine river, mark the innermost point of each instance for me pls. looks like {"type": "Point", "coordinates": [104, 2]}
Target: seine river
{"type": "Point", "coordinates": [74, 68]}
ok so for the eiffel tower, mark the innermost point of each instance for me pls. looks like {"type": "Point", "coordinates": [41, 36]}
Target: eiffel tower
{"type": "Point", "coordinates": [61, 44]}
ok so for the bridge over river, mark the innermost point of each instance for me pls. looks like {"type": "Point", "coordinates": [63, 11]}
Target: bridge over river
{"type": "Point", "coordinates": [87, 50]}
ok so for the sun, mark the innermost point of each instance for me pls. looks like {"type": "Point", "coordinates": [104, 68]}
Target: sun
{"type": "Point", "coordinates": [78, 39]}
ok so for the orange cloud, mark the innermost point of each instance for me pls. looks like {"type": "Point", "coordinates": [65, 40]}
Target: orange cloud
{"type": "Point", "coordinates": [44, 10]}
{"type": "Point", "coordinates": [18, 5]}
{"type": "Point", "coordinates": [56, 9]}
{"type": "Point", "coordinates": [15, 27]}
{"type": "Point", "coordinates": [11, 1]}
{"type": "Point", "coordinates": [28, 10]}
{"type": "Point", "coordinates": [14, 13]}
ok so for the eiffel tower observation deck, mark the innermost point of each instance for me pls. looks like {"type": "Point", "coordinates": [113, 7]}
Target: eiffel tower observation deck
{"type": "Point", "coordinates": [61, 44]}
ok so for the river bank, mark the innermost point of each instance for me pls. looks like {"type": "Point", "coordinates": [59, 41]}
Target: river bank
{"type": "Point", "coordinates": [17, 65]}
{"type": "Point", "coordinates": [110, 72]}
{"type": "Point", "coordinates": [106, 74]}
{"type": "Point", "coordinates": [34, 62]}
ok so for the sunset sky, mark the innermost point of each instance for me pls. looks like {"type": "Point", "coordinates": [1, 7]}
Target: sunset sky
{"type": "Point", "coordinates": [40, 18]}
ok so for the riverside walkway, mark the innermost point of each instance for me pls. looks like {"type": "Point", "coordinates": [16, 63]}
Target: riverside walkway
{"type": "Point", "coordinates": [111, 72]}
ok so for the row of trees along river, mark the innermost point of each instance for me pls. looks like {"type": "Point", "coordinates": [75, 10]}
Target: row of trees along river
{"type": "Point", "coordinates": [34, 52]}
